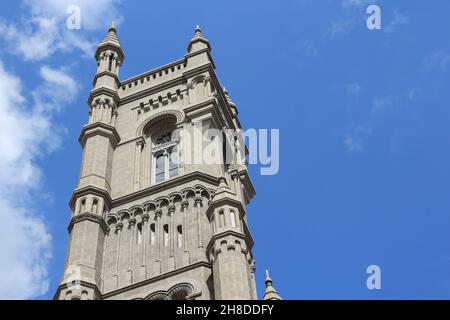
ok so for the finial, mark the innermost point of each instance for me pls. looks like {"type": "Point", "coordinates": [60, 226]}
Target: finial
{"type": "Point", "coordinates": [199, 40]}
{"type": "Point", "coordinates": [113, 27]}
{"type": "Point", "coordinates": [268, 279]}
{"type": "Point", "coordinates": [225, 90]}
{"type": "Point", "coordinates": [271, 293]}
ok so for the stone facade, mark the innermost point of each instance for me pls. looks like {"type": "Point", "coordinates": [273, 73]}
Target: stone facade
{"type": "Point", "coordinates": [144, 226]}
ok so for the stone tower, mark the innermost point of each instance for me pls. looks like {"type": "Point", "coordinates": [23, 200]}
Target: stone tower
{"type": "Point", "coordinates": [151, 218]}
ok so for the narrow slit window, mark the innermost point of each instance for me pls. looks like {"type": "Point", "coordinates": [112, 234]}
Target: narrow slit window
{"type": "Point", "coordinates": [94, 206]}
{"type": "Point", "coordinates": [82, 206]}
{"type": "Point", "coordinates": [233, 219]}
{"type": "Point", "coordinates": [152, 234]}
{"type": "Point", "coordinates": [166, 235]}
{"type": "Point", "coordinates": [222, 219]}
{"type": "Point", "coordinates": [139, 233]}
{"type": "Point", "coordinates": [179, 236]}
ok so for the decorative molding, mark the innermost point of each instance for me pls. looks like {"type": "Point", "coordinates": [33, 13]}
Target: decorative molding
{"type": "Point", "coordinates": [166, 185]}
{"type": "Point", "coordinates": [90, 217]}
{"type": "Point", "coordinates": [158, 278]}
{"type": "Point", "coordinates": [90, 190]}
{"type": "Point", "coordinates": [99, 128]}
{"type": "Point", "coordinates": [148, 122]}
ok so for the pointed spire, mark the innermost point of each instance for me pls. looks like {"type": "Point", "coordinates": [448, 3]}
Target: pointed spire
{"type": "Point", "coordinates": [111, 42]}
{"type": "Point", "coordinates": [271, 293]}
{"type": "Point", "coordinates": [198, 41]}
{"type": "Point", "coordinates": [111, 37]}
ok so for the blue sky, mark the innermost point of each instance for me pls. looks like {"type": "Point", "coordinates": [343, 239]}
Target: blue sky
{"type": "Point", "coordinates": [363, 118]}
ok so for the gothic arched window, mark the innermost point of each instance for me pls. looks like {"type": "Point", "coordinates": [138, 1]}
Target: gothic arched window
{"type": "Point", "coordinates": [165, 157]}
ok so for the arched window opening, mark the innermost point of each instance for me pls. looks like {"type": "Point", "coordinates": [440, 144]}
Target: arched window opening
{"type": "Point", "coordinates": [233, 219]}
{"type": "Point", "coordinates": [166, 235]}
{"type": "Point", "coordinates": [221, 219]}
{"type": "Point", "coordinates": [180, 295]}
{"type": "Point", "coordinates": [179, 236]}
{"type": "Point", "coordinates": [95, 206]}
{"type": "Point", "coordinates": [110, 61]}
{"type": "Point", "coordinates": [139, 233]}
{"type": "Point", "coordinates": [152, 234]}
{"type": "Point", "coordinates": [82, 206]}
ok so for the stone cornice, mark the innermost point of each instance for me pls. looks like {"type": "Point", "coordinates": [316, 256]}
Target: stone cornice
{"type": "Point", "coordinates": [107, 46]}
{"type": "Point", "coordinates": [171, 82]}
{"type": "Point", "coordinates": [106, 73]}
{"type": "Point", "coordinates": [167, 185]}
{"type": "Point", "coordinates": [157, 278]}
{"type": "Point", "coordinates": [82, 283]}
{"type": "Point", "coordinates": [244, 236]}
{"type": "Point", "coordinates": [90, 190]}
{"type": "Point", "coordinates": [204, 106]}
{"type": "Point", "coordinates": [153, 89]}
{"type": "Point", "coordinates": [225, 201]}
{"type": "Point", "coordinates": [89, 217]}
{"type": "Point", "coordinates": [196, 53]}
{"type": "Point", "coordinates": [153, 71]}
{"type": "Point", "coordinates": [194, 70]}
{"type": "Point", "coordinates": [99, 128]}
{"type": "Point", "coordinates": [103, 90]}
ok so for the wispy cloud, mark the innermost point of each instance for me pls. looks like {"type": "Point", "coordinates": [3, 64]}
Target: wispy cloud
{"type": "Point", "coordinates": [381, 105]}
{"type": "Point", "coordinates": [396, 21]}
{"type": "Point", "coordinates": [42, 29]}
{"type": "Point", "coordinates": [27, 134]}
{"type": "Point", "coordinates": [353, 14]}
{"type": "Point", "coordinates": [354, 142]}
{"type": "Point", "coordinates": [438, 60]}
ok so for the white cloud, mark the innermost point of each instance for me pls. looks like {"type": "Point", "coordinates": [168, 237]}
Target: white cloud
{"type": "Point", "coordinates": [396, 21]}
{"type": "Point", "coordinates": [26, 134]}
{"type": "Point", "coordinates": [43, 29]}
{"type": "Point", "coordinates": [438, 60]}
{"type": "Point", "coordinates": [355, 142]}
{"type": "Point", "coordinates": [94, 14]}
{"type": "Point", "coordinates": [354, 14]}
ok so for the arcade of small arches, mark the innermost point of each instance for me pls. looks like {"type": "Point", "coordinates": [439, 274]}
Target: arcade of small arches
{"type": "Point", "coordinates": [178, 292]}
{"type": "Point", "coordinates": [162, 222]}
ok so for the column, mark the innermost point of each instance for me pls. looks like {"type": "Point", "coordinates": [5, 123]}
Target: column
{"type": "Point", "coordinates": [113, 116]}
{"type": "Point", "coordinates": [172, 235]}
{"type": "Point", "coordinates": [145, 218]}
{"type": "Point", "coordinates": [137, 164]}
{"type": "Point", "coordinates": [184, 211]}
{"type": "Point", "coordinates": [105, 259]}
{"type": "Point", "coordinates": [132, 224]}
{"type": "Point", "coordinates": [159, 242]}
{"type": "Point", "coordinates": [114, 62]}
{"type": "Point", "coordinates": [198, 204]}
{"type": "Point", "coordinates": [216, 218]}
{"type": "Point", "coordinates": [119, 227]}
